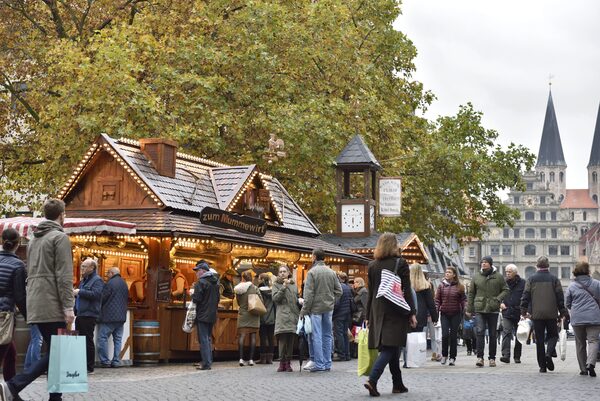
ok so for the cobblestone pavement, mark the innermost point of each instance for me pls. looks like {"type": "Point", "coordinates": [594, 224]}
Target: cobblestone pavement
{"type": "Point", "coordinates": [227, 381]}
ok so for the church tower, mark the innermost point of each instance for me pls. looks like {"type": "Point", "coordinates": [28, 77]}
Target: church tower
{"type": "Point", "coordinates": [551, 166]}
{"type": "Point", "coordinates": [594, 164]}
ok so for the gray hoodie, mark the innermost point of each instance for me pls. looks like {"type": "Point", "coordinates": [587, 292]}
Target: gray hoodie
{"type": "Point", "coordinates": [584, 308]}
{"type": "Point", "coordinates": [49, 274]}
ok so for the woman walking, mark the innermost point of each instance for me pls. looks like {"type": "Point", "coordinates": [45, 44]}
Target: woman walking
{"type": "Point", "coordinates": [583, 301]}
{"type": "Point", "coordinates": [12, 292]}
{"type": "Point", "coordinates": [425, 301]}
{"type": "Point", "coordinates": [388, 326]}
{"type": "Point", "coordinates": [285, 297]}
{"type": "Point", "coordinates": [450, 300]}
{"type": "Point", "coordinates": [267, 321]}
{"type": "Point", "coordinates": [247, 324]}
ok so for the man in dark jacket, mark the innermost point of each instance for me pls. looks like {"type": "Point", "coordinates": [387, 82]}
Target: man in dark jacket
{"type": "Point", "coordinates": [206, 297]}
{"type": "Point", "coordinates": [543, 295]}
{"type": "Point", "coordinates": [113, 315]}
{"type": "Point", "coordinates": [511, 313]}
{"type": "Point", "coordinates": [88, 302]}
{"type": "Point", "coordinates": [342, 318]}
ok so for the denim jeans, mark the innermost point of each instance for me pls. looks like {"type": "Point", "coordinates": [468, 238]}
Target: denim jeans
{"type": "Point", "coordinates": [105, 330]}
{"type": "Point", "coordinates": [22, 380]}
{"type": "Point", "coordinates": [205, 339]}
{"type": "Point", "coordinates": [309, 338]}
{"type": "Point", "coordinates": [322, 339]}
{"type": "Point", "coordinates": [491, 321]}
{"type": "Point", "coordinates": [387, 356]}
{"type": "Point", "coordinates": [34, 349]}
{"type": "Point", "coordinates": [342, 344]}
{"type": "Point", "coordinates": [450, 325]}
{"type": "Point", "coordinates": [509, 328]}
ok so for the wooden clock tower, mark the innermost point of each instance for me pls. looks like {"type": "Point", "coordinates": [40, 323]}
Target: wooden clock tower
{"type": "Point", "coordinates": [356, 182]}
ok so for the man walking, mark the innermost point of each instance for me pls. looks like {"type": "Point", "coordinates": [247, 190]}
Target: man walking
{"type": "Point", "coordinates": [113, 315]}
{"type": "Point", "coordinates": [88, 302]}
{"type": "Point", "coordinates": [49, 291]}
{"type": "Point", "coordinates": [321, 290]}
{"type": "Point", "coordinates": [543, 295]}
{"type": "Point", "coordinates": [486, 292]}
{"type": "Point", "coordinates": [206, 297]}
{"type": "Point", "coordinates": [511, 313]}
{"type": "Point", "coordinates": [342, 318]}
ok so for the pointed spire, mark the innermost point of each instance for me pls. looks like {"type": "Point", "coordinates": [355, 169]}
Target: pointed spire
{"type": "Point", "coordinates": [595, 154]}
{"type": "Point", "coordinates": [357, 153]}
{"type": "Point", "coordinates": [551, 152]}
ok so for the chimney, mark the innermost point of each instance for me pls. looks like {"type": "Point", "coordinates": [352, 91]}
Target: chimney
{"type": "Point", "coordinates": [162, 154]}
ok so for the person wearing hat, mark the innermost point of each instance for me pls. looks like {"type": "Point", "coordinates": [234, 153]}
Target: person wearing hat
{"type": "Point", "coordinates": [227, 283]}
{"type": "Point", "coordinates": [206, 297]}
{"type": "Point", "coordinates": [487, 291]}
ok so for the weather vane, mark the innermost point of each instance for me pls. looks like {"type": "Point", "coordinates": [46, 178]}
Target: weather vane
{"type": "Point", "coordinates": [550, 76]}
{"type": "Point", "coordinates": [275, 150]}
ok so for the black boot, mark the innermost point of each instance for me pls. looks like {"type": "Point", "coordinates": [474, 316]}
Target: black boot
{"type": "Point", "coordinates": [398, 386]}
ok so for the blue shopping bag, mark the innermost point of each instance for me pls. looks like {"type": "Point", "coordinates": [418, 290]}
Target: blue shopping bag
{"type": "Point", "coordinates": [67, 370]}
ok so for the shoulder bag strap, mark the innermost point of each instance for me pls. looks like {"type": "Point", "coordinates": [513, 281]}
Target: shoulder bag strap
{"type": "Point", "coordinates": [588, 291]}
{"type": "Point", "coordinates": [396, 267]}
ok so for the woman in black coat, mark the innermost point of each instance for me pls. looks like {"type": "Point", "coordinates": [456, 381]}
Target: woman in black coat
{"type": "Point", "coordinates": [387, 325]}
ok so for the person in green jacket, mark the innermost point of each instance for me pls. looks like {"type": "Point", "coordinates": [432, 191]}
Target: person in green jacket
{"type": "Point", "coordinates": [486, 292]}
{"type": "Point", "coordinates": [285, 297]}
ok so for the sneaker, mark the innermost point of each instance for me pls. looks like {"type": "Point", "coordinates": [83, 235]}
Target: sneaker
{"type": "Point", "coordinates": [309, 365]}
{"type": "Point", "coordinates": [479, 362]}
{"type": "Point", "coordinates": [242, 362]}
{"type": "Point", "coordinates": [444, 359]}
{"type": "Point", "coordinates": [203, 368]}
{"type": "Point", "coordinates": [105, 365]}
{"type": "Point", "coordinates": [505, 359]}
{"type": "Point", "coordinates": [452, 361]}
{"type": "Point", "coordinates": [250, 362]}
{"type": "Point", "coordinates": [492, 363]}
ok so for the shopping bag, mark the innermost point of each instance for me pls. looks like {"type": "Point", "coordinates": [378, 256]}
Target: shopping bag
{"type": "Point", "coordinates": [190, 318]}
{"type": "Point", "coordinates": [416, 349]}
{"type": "Point", "coordinates": [562, 344]}
{"type": "Point", "coordinates": [255, 305]}
{"type": "Point", "coordinates": [366, 356]}
{"type": "Point", "coordinates": [304, 325]}
{"type": "Point", "coordinates": [67, 370]}
{"type": "Point", "coordinates": [390, 288]}
{"type": "Point", "coordinates": [523, 330]}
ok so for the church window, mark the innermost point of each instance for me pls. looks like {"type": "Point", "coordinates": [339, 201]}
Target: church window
{"type": "Point", "coordinates": [561, 176]}
{"type": "Point", "coordinates": [552, 215]}
{"type": "Point", "coordinates": [516, 233]}
{"type": "Point", "coordinates": [506, 233]}
{"type": "Point", "coordinates": [553, 250]}
{"type": "Point", "coordinates": [530, 233]}
{"type": "Point", "coordinates": [552, 176]}
{"type": "Point", "coordinates": [542, 233]}
{"type": "Point", "coordinates": [529, 250]}
{"type": "Point", "coordinates": [542, 199]}
{"type": "Point", "coordinates": [554, 233]}
{"type": "Point", "coordinates": [516, 200]}
{"type": "Point", "coordinates": [542, 215]}
{"type": "Point", "coordinates": [560, 198]}
{"type": "Point", "coordinates": [529, 186]}
{"type": "Point", "coordinates": [565, 250]}
{"type": "Point", "coordinates": [584, 216]}
{"type": "Point", "coordinates": [542, 177]}
{"type": "Point", "coordinates": [565, 272]}
{"type": "Point", "coordinates": [529, 216]}
{"type": "Point", "coordinates": [594, 177]}
{"type": "Point", "coordinates": [494, 250]}
{"type": "Point", "coordinates": [595, 198]}
{"type": "Point", "coordinates": [506, 249]}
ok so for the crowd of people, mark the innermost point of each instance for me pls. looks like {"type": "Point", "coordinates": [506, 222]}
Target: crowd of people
{"type": "Point", "coordinates": [334, 307]}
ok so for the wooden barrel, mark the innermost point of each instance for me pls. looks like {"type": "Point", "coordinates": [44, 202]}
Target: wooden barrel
{"type": "Point", "coordinates": [21, 338]}
{"type": "Point", "coordinates": [146, 342]}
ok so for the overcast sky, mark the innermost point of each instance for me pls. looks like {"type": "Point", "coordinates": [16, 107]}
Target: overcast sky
{"type": "Point", "coordinates": [499, 54]}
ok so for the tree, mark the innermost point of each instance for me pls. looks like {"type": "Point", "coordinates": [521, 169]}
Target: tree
{"type": "Point", "coordinates": [219, 77]}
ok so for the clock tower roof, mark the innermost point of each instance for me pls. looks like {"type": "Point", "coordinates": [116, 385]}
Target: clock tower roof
{"type": "Point", "coordinates": [357, 153]}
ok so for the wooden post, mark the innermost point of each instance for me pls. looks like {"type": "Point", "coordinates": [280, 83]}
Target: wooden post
{"type": "Point", "coordinates": [158, 256]}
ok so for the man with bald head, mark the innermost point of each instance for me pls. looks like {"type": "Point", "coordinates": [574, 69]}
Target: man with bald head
{"type": "Point", "coordinates": [511, 313]}
{"type": "Point", "coordinates": [87, 307]}
{"type": "Point", "coordinates": [112, 317]}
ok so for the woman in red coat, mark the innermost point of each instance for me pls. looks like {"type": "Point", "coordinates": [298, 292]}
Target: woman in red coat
{"type": "Point", "coordinates": [450, 300]}
{"type": "Point", "coordinates": [387, 326]}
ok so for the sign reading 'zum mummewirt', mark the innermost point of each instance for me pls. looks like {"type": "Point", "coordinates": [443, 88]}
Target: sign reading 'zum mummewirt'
{"type": "Point", "coordinates": [244, 224]}
{"type": "Point", "coordinates": [390, 196]}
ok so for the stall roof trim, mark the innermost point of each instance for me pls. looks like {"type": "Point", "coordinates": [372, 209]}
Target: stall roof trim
{"type": "Point", "coordinates": [200, 183]}
{"type": "Point", "coordinates": [370, 242]}
{"type": "Point", "coordinates": [173, 224]}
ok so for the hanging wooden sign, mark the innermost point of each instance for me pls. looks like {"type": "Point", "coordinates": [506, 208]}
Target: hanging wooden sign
{"type": "Point", "coordinates": [244, 224]}
{"type": "Point", "coordinates": [390, 196]}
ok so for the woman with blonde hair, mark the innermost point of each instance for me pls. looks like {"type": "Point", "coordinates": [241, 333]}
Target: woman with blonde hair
{"type": "Point", "coordinates": [388, 326]}
{"type": "Point", "coordinates": [425, 302]}
{"type": "Point", "coordinates": [247, 324]}
{"type": "Point", "coordinates": [450, 300]}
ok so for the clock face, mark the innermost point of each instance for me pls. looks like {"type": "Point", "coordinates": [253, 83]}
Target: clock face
{"type": "Point", "coordinates": [353, 218]}
{"type": "Point", "coordinates": [372, 217]}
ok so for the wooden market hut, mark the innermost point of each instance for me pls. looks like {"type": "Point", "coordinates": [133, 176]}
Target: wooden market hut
{"type": "Point", "coordinates": [185, 208]}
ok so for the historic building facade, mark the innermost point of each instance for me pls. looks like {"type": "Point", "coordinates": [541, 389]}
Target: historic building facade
{"type": "Point", "coordinates": [553, 220]}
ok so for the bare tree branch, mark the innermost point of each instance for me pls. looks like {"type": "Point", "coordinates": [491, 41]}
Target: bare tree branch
{"type": "Point", "coordinates": [8, 85]}
{"type": "Point", "coordinates": [56, 18]}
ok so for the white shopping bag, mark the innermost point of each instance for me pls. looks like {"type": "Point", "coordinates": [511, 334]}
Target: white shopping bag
{"type": "Point", "coordinates": [562, 344]}
{"type": "Point", "coordinates": [416, 349]}
{"type": "Point", "coordinates": [523, 330]}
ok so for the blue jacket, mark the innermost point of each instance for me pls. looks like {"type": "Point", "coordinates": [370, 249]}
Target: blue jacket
{"type": "Point", "coordinates": [584, 309]}
{"type": "Point", "coordinates": [343, 306]}
{"type": "Point", "coordinates": [89, 300]}
{"type": "Point", "coordinates": [12, 283]}
{"type": "Point", "coordinates": [512, 300]}
{"type": "Point", "coordinates": [114, 301]}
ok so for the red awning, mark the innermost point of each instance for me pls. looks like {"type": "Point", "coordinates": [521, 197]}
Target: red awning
{"type": "Point", "coordinates": [26, 225]}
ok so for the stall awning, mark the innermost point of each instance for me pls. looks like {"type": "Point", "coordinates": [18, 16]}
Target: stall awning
{"type": "Point", "coordinates": [26, 226]}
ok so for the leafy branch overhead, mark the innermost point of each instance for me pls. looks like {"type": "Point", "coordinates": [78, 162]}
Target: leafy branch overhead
{"type": "Point", "coordinates": [221, 76]}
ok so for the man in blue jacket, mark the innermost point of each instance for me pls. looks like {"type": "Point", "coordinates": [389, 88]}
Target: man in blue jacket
{"type": "Point", "coordinates": [511, 313]}
{"type": "Point", "coordinates": [112, 317]}
{"type": "Point", "coordinates": [206, 297]}
{"type": "Point", "coordinates": [87, 307]}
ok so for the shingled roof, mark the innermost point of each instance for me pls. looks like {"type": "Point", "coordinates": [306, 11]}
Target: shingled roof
{"type": "Point", "coordinates": [595, 153]}
{"type": "Point", "coordinates": [357, 153]}
{"type": "Point", "coordinates": [551, 151]}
